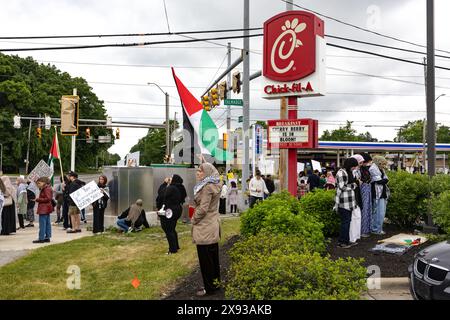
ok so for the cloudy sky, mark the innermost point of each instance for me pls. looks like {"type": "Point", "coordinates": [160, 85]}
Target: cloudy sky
{"type": "Point", "coordinates": [119, 76]}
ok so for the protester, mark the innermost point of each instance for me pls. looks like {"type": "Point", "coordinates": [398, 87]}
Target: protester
{"type": "Point", "coordinates": [223, 198]}
{"type": "Point", "coordinates": [313, 180]}
{"type": "Point", "coordinates": [59, 198]}
{"type": "Point", "coordinates": [330, 182]}
{"type": "Point", "coordinates": [206, 226]}
{"type": "Point", "coordinates": [355, 224]}
{"type": "Point", "coordinates": [21, 195]}
{"type": "Point", "coordinates": [270, 184]}
{"type": "Point", "coordinates": [257, 189]}
{"type": "Point", "coordinates": [67, 224]}
{"type": "Point", "coordinates": [302, 188]}
{"type": "Point", "coordinates": [172, 198]}
{"type": "Point", "coordinates": [2, 201]}
{"type": "Point", "coordinates": [100, 205]}
{"type": "Point", "coordinates": [45, 208]}
{"type": "Point", "coordinates": [366, 194]}
{"type": "Point", "coordinates": [233, 197]}
{"type": "Point", "coordinates": [323, 181]}
{"type": "Point", "coordinates": [9, 207]}
{"type": "Point", "coordinates": [345, 200]}
{"type": "Point", "coordinates": [74, 212]}
{"type": "Point", "coordinates": [32, 192]}
{"type": "Point", "coordinates": [133, 218]}
{"type": "Point", "coordinates": [380, 193]}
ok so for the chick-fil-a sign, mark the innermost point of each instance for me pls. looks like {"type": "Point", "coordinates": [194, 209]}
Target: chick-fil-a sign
{"type": "Point", "coordinates": [294, 50]}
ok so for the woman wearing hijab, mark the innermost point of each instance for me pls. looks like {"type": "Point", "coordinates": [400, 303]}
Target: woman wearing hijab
{"type": "Point", "coordinates": [345, 200]}
{"type": "Point", "coordinates": [380, 193]}
{"type": "Point", "coordinates": [9, 208]}
{"type": "Point", "coordinates": [21, 201]}
{"type": "Point", "coordinates": [355, 225]}
{"type": "Point", "coordinates": [99, 206]}
{"type": "Point", "coordinates": [206, 226]}
{"type": "Point", "coordinates": [173, 199]}
{"type": "Point", "coordinates": [366, 195]}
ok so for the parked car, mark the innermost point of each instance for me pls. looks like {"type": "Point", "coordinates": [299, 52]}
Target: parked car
{"type": "Point", "coordinates": [430, 273]}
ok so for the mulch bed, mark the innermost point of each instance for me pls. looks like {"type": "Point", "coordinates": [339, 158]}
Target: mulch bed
{"type": "Point", "coordinates": [391, 265]}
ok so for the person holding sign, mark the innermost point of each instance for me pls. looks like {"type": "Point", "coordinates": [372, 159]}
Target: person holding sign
{"type": "Point", "coordinates": [74, 212]}
{"type": "Point", "coordinates": [44, 209]}
{"type": "Point", "coordinates": [99, 206]}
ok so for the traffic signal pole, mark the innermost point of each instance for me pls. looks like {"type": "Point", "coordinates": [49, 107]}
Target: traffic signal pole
{"type": "Point", "coordinates": [246, 95]}
{"type": "Point", "coordinates": [227, 161]}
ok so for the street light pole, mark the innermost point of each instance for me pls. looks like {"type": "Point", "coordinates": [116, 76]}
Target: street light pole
{"type": "Point", "coordinates": [167, 118]}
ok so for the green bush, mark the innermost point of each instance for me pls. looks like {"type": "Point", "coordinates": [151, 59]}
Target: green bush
{"type": "Point", "coordinates": [266, 267]}
{"type": "Point", "coordinates": [281, 214]}
{"type": "Point", "coordinates": [441, 210]}
{"type": "Point", "coordinates": [320, 203]}
{"type": "Point", "coordinates": [440, 183]}
{"type": "Point", "coordinates": [406, 204]}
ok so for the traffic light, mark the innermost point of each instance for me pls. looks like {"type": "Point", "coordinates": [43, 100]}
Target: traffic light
{"type": "Point", "coordinates": [39, 133]}
{"type": "Point", "coordinates": [117, 133]}
{"type": "Point", "coordinates": [69, 115]}
{"type": "Point", "coordinates": [88, 134]}
{"type": "Point", "coordinates": [206, 103]}
{"type": "Point", "coordinates": [215, 100]}
{"type": "Point", "coordinates": [223, 90]}
{"type": "Point", "coordinates": [236, 83]}
{"type": "Point", "coordinates": [225, 140]}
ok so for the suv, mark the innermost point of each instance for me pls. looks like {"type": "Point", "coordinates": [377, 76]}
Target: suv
{"type": "Point", "coordinates": [429, 275]}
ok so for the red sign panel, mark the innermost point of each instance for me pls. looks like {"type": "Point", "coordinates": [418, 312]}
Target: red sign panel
{"type": "Point", "coordinates": [290, 45]}
{"type": "Point", "coordinates": [293, 134]}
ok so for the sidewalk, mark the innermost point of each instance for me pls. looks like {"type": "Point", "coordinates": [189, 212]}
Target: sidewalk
{"type": "Point", "coordinates": [20, 243]}
{"type": "Point", "coordinates": [391, 289]}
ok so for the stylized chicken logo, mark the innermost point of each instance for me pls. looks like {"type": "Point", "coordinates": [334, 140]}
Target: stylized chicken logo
{"type": "Point", "coordinates": [292, 28]}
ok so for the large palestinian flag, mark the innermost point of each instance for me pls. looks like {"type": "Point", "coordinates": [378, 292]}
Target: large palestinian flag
{"type": "Point", "coordinates": [200, 124]}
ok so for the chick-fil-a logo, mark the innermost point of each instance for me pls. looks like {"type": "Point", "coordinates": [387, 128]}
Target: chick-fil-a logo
{"type": "Point", "coordinates": [290, 45]}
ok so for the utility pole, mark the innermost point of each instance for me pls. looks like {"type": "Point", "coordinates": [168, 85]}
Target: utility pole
{"type": "Point", "coordinates": [424, 153]}
{"type": "Point", "coordinates": [28, 149]}
{"type": "Point", "coordinates": [167, 125]}
{"type": "Point", "coordinates": [246, 95]}
{"type": "Point", "coordinates": [431, 121]}
{"type": "Point", "coordinates": [227, 161]}
{"type": "Point", "coordinates": [72, 151]}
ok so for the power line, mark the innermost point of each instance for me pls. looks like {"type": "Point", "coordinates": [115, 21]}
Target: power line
{"type": "Point", "coordinates": [130, 44]}
{"type": "Point", "coordinates": [361, 28]}
{"type": "Point", "coordinates": [167, 17]}
{"type": "Point", "coordinates": [218, 69]}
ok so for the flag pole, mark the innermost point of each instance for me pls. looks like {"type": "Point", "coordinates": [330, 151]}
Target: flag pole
{"type": "Point", "coordinates": [59, 154]}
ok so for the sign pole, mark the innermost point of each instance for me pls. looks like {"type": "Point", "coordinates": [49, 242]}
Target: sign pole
{"type": "Point", "coordinates": [292, 153]}
{"type": "Point", "coordinates": [59, 154]}
{"type": "Point", "coordinates": [283, 152]}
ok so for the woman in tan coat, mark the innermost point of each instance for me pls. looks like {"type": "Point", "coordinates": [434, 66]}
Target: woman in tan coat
{"type": "Point", "coordinates": [206, 226]}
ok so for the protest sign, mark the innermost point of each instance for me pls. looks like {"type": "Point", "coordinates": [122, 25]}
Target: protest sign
{"type": "Point", "coordinates": [86, 195]}
{"type": "Point", "coordinates": [41, 170]}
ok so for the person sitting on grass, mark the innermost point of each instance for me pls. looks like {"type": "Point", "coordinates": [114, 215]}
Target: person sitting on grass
{"type": "Point", "coordinates": [133, 218]}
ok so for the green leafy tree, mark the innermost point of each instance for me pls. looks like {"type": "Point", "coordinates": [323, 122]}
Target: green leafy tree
{"type": "Point", "coordinates": [32, 89]}
{"type": "Point", "coordinates": [413, 132]}
{"type": "Point", "coordinates": [346, 133]}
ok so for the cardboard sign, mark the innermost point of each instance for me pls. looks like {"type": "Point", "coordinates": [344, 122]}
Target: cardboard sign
{"type": "Point", "coordinates": [86, 195]}
{"type": "Point", "coordinates": [132, 159]}
{"type": "Point", "coordinates": [41, 170]}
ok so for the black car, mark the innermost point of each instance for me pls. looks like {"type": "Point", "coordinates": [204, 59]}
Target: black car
{"type": "Point", "coordinates": [429, 275]}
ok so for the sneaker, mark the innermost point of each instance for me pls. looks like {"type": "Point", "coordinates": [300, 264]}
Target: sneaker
{"type": "Point", "coordinates": [29, 225]}
{"type": "Point", "coordinates": [382, 233]}
{"type": "Point", "coordinates": [130, 229]}
{"type": "Point", "coordinates": [352, 244]}
{"type": "Point", "coordinates": [46, 240]}
{"type": "Point", "coordinates": [366, 235]}
{"type": "Point", "coordinates": [71, 231]}
{"type": "Point", "coordinates": [344, 246]}
{"type": "Point", "coordinates": [200, 293]}
{"type": "Point", "coordinates": [38, 241]}
{"type": "Point", "coordinates": [78, 230]}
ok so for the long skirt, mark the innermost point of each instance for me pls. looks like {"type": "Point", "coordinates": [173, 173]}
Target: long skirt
{"type": "Point", "coordinates": [355, 225]}
{"type": "Point", "coordinates": [9, 219]}
{"type": "Point", "coordinates": [366, 211]}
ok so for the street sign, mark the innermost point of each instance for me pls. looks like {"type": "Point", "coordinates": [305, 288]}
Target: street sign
{"type": "Point", "coordinates": [104, 139]}
{"type": "Point", "coordinates": [233, 102]}
{"type": "Point", "coordinates": [240, 119]}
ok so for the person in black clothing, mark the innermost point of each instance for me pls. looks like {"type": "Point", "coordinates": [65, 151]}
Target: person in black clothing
{"type": "Point", "coordinates": [99, 206]}
{"type": "Point", "coordinates": [67, 224]}
{"type": "Point", "coordinates": [270, 184]}
{"type": "Point", "coordinates": [171, 196]}
{"type": "Point", "coordinates": [313, 180]}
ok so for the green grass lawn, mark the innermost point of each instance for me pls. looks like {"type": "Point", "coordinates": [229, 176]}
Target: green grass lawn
{"type": "Point", "coordinates": [108, 263]}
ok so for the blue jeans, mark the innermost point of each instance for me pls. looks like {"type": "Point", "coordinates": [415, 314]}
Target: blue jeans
{"type": "Point", "coordinates": [346, 219]}
{"type": "Point", "coordinates": [122, 224]}
{"type": "Point", "coordinates": [45, 227]}
{"type": "Point", "coordinates": [378, 213]}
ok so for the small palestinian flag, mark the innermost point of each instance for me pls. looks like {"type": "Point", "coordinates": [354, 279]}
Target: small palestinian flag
{"type": "Point", "coordinates": [200, 123]}
{"type": "Point", "coordinates": [53, 155]}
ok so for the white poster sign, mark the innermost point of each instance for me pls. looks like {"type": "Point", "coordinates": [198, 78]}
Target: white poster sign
{"type": "Point", "coordinates": [316, 165]}
{"type": "Point", "coordinates": [300, 167]}
{"type": "Point", "coordinates": [132, 159]}
{"type": "Point", "coordinates": [41, 170]}
{"type": "Point", "coordinates": [86, 195]}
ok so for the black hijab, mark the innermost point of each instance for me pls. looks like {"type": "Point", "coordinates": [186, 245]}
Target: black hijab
{"type": "Point", "coordinates": [350, 163]}
{"type": "Point", "coordinates": [177, 182]}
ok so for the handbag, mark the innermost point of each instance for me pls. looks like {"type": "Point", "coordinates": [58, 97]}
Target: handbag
{"type": "Point", "coordinates": [8, 201]}
{"type": "Point", "coordinates": [165, 213]}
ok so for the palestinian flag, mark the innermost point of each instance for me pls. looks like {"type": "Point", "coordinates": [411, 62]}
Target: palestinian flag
{"type": "Point", "coordinates": [200, 124]}
{"type": "Point", "coordinates": [53, 155]}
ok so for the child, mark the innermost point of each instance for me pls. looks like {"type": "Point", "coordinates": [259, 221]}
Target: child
{"type": "Point", "coordinates": [303, 189]}
{"type": "Point", "coordinates": [233, 197]}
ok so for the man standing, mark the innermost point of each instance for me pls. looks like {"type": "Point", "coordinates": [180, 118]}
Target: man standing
{"type": "Point", "coordinates": [74, 212]}
{"type": "Point", "coordinates": [257, 188]}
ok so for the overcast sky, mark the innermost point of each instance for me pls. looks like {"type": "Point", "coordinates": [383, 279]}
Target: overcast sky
{"type": "Point", "coordinates": [121, 80]}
